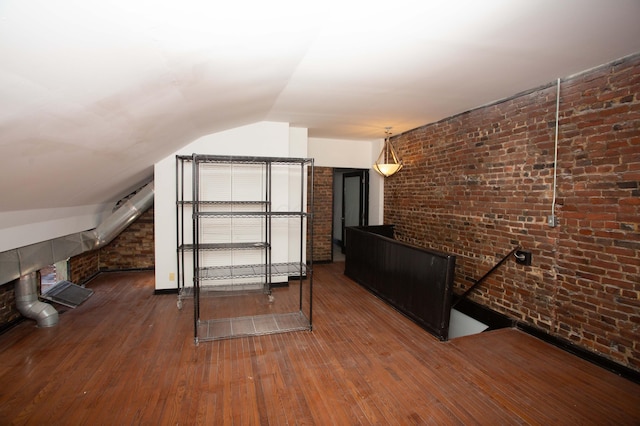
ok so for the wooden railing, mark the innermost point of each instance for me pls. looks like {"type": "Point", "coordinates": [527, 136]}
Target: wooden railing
{"type": "Point", "coordinates": [416, 281]}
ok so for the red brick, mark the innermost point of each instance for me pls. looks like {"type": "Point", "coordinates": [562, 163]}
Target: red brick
{"type": "Point", "coordinates": [323, 214]}
{"type": "Point", "coordinates": [496, 161]}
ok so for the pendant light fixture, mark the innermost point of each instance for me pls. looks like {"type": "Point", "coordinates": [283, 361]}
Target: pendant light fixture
{"type": "Point", "coordinates": [387, 163]}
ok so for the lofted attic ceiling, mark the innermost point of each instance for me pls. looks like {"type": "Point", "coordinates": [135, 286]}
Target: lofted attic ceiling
{"type": "Point", "coordinates": [93, 93]}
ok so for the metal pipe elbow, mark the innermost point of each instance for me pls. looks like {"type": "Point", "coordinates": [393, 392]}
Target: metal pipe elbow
{"type": "Point", "coordinates": [28, 304]}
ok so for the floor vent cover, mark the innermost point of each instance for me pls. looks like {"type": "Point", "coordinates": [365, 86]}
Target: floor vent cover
{"type": "Point", "coordinates": [68, 294]}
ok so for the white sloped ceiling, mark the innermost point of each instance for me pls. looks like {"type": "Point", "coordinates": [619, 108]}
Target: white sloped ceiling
{"type": "Point", "coordinates": [93, 93]}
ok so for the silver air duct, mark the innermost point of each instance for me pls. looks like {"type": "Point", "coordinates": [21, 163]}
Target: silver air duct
{"type": "Point", "coordinates": [21, 262]}
{"type": "Point", "coordinates": [118, 221]}
{"type": "Point", "coordinates": [28, 304]}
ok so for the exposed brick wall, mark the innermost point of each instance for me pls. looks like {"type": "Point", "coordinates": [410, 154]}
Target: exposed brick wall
{"type": "Point", "coordinates": [8, 311]}
{"type": "Point", "coordinates": [84, 266]}
{"type": "Point", "coordinates": [479, 183]}
{"type": "Point", "coordinates": [133, 248]}
{"type": "Point", "coordinates": [323, 214]}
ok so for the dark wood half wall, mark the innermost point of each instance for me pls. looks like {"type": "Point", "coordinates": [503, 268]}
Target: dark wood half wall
{"type": "Point", "coordinates": [416, 281]}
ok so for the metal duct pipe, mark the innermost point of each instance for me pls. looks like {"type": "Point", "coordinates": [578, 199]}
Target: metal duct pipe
{"type": "Point", "coordinates": [126, 214]}
{"type": "Point", "coordinates": [24, 260]}
{"type": "Point", "coordinates": [27, 302]}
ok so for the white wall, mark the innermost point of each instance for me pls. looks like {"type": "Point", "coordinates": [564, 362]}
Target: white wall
{"type": "Point", "coordinates": [264, 139]}
{"type": "Point", "coordinates": [376, 188]}
{"type": "Point", "coordinates": [298, 147]}
{"type": "Point", "coordinates": [25, 227]}
{"type": "Point", "coordinates": [353, 154]}
{"type": "Point", "coordinates": [298, 143]}
{"type": "Point", "coordinates": [342, 153]}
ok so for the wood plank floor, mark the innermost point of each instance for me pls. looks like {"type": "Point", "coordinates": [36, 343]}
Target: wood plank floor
{"type": "Point", "coordinates": [127, 356]}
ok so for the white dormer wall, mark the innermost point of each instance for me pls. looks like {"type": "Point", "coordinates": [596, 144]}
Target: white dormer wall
{"type": "Point", "coordinates": [298, 147]}
{"type": "Point", "coordinates": [265, 139]}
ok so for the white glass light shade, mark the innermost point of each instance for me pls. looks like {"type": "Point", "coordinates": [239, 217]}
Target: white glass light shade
{"type": "Point", "coordinates": [387, 163]}
{"type": "Point", "coordinates": [387, 170]}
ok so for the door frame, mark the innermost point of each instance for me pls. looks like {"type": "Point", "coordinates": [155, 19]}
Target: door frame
{"type": "Point", "coordinates": [363, 199]}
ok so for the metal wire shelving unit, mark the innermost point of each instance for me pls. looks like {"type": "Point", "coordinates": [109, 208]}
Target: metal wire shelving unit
{"type": "Point", "coordinates": [209, 232]}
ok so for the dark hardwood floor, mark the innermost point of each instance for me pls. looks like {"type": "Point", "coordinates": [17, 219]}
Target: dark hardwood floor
{"type": "Point", "coordinates": [127, 356]}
